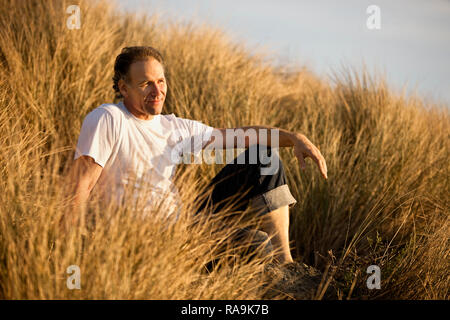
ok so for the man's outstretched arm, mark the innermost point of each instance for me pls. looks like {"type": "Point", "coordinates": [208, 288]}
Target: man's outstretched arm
{"type": "Point", "coordinates": [250, 135]}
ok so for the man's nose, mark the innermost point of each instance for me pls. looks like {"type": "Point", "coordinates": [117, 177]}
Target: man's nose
{"type": "Point", "coordinates": [155, 90]}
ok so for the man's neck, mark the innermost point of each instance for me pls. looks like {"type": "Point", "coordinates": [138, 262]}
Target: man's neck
{"type": "Point", "coordinates": [137, 114]}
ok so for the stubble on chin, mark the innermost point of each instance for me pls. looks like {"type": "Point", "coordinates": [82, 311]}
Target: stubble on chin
{"type": "Point", "coordinates": [153, 110]}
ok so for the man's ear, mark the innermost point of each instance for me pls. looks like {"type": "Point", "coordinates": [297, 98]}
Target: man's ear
{"type": "Point", "coordinates": [123, 88]}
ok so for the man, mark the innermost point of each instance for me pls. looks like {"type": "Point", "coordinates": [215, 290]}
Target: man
{"type": "Point", "coordinates": [122, 142]}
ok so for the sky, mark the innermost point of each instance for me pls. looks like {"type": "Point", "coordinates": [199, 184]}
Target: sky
{"type": "Point", "coordinates": [411, 47]}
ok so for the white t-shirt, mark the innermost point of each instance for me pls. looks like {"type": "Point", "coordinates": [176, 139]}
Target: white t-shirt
{"type": "Point", "coordinates": [138, 152]}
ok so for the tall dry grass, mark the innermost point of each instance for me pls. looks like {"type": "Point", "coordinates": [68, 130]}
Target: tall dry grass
{"type": "Point", "coordinates": [385, 202]}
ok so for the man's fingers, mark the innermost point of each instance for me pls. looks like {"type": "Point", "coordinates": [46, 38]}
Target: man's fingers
{"type": "Point", "coordinates": [326, 169]}
{"type": "Point", "coordinates": [318, 158]}
{"type": "Point", "coordinates": [302, 162]}
{"type": "Point", "coordinates": [323, 168]}
{"type": "Point", "coordinates": [311, 151]}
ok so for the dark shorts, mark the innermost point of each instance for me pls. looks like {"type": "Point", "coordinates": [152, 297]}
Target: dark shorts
{"type": "Point", "coordinates": [259, 186]}
{"type": "Point", "coordinates": [244, 186]}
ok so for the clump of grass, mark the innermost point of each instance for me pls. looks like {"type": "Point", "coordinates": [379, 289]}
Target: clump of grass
{"type": "Point", "coordinates": [386, 155]}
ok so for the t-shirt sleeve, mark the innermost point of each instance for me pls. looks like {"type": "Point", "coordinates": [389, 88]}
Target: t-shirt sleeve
{"type": "Point", "coordinates": [200, 133]}
{"type": "Point", "coordinates": [97, 136]}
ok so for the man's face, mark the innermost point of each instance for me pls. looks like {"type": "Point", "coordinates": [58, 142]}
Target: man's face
{"type": "Point", "coordinates": [145, 91]}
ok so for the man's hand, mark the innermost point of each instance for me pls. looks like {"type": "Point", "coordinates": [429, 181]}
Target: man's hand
{"type": "Point", "coordinates": [304, 148]}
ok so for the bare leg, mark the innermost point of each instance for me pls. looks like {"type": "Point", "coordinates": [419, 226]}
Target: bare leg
{"type": "Point", "coordinates": [276, 225]}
